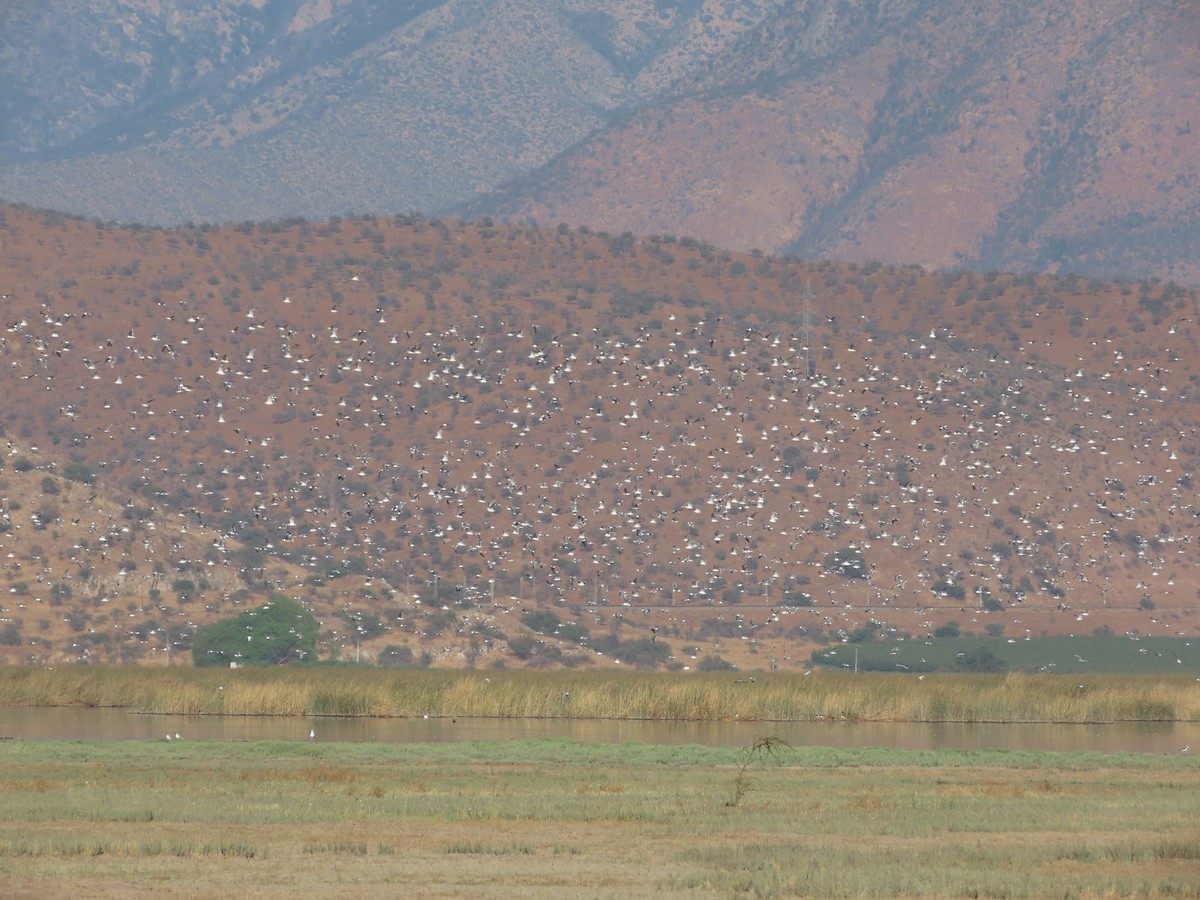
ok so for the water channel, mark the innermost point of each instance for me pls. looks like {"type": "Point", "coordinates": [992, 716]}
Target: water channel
{"type": "Point", "coordinates": [89, 724]}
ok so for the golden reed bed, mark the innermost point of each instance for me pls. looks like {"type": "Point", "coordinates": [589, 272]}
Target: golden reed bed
{"type": "Point", "coordinates": [632, 695]}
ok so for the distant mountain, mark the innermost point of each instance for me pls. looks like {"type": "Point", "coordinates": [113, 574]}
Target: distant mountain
{"type": "Point", "coordinates": [228, 111]}
{"type": "Point", "coordinates": [471, 443]}
{"type": "Point", "coordinates": [1051, 136]}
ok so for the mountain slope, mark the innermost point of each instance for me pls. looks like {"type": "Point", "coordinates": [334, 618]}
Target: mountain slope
{"type": "Point", "coordinates": [468, 421]}
{"type": "Point", "coordinates": [1054, 136]}
{"type": "Point", "coordinates": [1032, 139]}
{"type": "Point", "coordinates": [230, 111]}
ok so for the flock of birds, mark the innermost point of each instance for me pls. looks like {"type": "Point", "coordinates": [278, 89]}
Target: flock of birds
{"type": "Point", "coordinates": [312, 736]}
{"type": "Point", "coordinates": [483, 419]}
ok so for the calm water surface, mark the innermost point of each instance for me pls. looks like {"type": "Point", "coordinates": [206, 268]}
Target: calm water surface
{"type": "Point", "coordinates": [32, 723]}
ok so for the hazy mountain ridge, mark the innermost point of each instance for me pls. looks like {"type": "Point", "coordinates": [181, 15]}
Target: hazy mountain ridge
{"type": "Point", "coordinates": [1051, 137]}
{"type": "Point", "coordinates": [974, 134]}
{"type": "Point", "coordinates": [300, 108]}
{"type": "Point", "coordinates": [632, 433]}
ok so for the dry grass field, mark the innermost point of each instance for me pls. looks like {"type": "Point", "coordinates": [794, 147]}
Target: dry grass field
{"type": "Point", "coordinates": [561, 819]}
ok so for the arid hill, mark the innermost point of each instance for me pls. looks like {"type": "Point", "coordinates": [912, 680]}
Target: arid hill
{"type": "Point", "coordinates": [1054, 136]}
{"type": "Point", "coordinates": [426, 429]}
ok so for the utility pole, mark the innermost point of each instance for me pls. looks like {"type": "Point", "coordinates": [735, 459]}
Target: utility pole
{"type": "Point", "coordinates": [808, 295]}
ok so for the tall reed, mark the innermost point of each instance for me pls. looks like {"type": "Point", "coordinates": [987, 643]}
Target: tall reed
{"type": "Point", "coordinates": [609, 695]}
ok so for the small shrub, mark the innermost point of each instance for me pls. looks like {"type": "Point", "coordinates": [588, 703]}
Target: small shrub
{"type": "Point", "coordinates": [948, 588]}
{"type": "Point", "coordinates": [396, 655]}
{"type": "Point", "coordinates": [521, 647]}
{"type": "Point", "coordinates": [760, 751]}
{"type": "Point", "coordinates": [79, 472]}
{"type": "Point", "coordinates": [950, 630]}
{"type": "Point", "coordinates": [847, 562]}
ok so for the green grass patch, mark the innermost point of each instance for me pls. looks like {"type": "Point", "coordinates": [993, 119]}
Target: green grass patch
{"type": "Point", "coordinates": [1081, 655]}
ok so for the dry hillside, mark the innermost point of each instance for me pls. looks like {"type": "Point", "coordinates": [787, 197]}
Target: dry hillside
{"type": "Point", "coordinates": [423, 428]}
{"type": "Point", "coordinates": [1050, 136]}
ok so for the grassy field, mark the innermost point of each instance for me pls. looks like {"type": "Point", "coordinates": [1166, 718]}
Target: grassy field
{"type": "Point", "coordinates": [560, 819]}
{"type": "Point", "coordinates": [1079, 655]}
{"type": "Point", "coordinates": [723, 696]}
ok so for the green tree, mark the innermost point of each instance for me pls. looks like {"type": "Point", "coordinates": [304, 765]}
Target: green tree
{"type": "Point", "coordinates": [863, 633]}
{"type": "Point", "coordinates": [278, 632]}
{"type": "Point", "coordinates": [540, 620]}
{"type": "Point", "coordinates": [521, 646]}
{"type": "Point", "coordinates": [80, 472]}
{"type": "Point", "coordinates": [396, 655]}
{"type": "Point", "coordinates": [989, 602]}
{"type": "Point", "coordinates": [950, 630]}
{"type": "Point", "coordinates": [980, 660]}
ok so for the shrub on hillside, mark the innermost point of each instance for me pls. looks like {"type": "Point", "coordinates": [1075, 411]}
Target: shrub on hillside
{"type": "Point", "coordinates": [950, 630]}
{"type": "Point", "coordinates": [847, 562]}
{"type": "Point", "coordinates": [278, 632]}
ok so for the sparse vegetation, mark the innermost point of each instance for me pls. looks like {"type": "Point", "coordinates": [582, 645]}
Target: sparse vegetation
{"type": "Point", "coordinates": [546, 483]}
